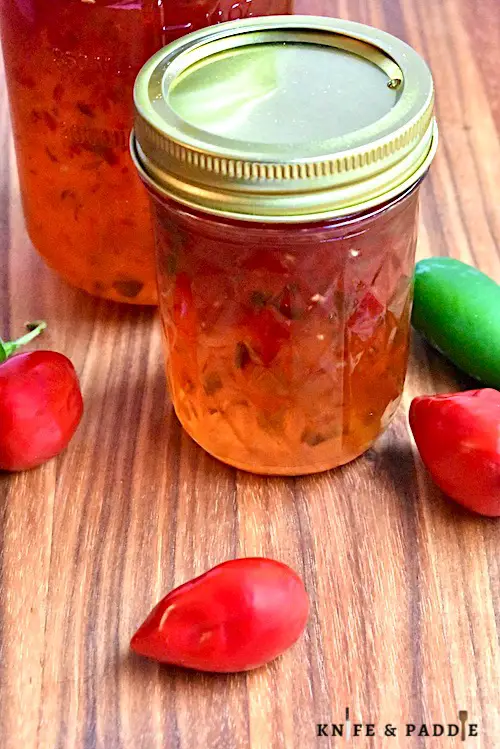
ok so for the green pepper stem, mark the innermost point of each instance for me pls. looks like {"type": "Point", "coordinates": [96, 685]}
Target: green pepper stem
{"type": "Point", "coordinates": [10, 347]}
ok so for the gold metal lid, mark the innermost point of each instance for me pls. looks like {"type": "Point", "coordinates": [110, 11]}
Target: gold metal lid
{"type": "Point", "coordinates": [284, 118]}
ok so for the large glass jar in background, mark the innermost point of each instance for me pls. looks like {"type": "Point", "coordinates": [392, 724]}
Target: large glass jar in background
{"type": "Point", "coordinates": [286, 224]}
{"type": "Point", "coordinates": [70, 67]}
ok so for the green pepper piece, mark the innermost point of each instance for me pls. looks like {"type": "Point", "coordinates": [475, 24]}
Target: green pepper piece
{"type": "Point", "coordinates": [457, 309]}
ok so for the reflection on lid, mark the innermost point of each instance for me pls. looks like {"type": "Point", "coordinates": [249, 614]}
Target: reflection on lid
{"type": "Point", "coordinates": [282, 93]}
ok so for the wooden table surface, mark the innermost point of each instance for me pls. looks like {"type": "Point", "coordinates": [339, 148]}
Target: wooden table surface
{"type": "Point", "coordinates": [404, 586]}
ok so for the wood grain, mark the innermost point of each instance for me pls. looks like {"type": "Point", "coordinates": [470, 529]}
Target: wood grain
{"type": "Point", "coordinates": [404, 586]}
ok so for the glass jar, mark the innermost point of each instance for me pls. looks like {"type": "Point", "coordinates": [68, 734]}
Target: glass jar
{"type": "Point", "coordinates": [285, 259]}
{"type": "Point", "coordinates": [70, 66]}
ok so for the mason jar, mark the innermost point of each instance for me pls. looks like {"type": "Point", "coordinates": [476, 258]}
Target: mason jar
{"type": "Point", "coordinates": [283, 158]}
{"type": "Point", "coordinates": [71, 66]}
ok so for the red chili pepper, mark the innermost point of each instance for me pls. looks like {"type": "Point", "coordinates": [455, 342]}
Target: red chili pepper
{"type": "Point", "coordinates": [235, 617]}
{"type": "Point", "coordinates": [458, 436]}
{"type": "Point", "coordinates": [40, 405]}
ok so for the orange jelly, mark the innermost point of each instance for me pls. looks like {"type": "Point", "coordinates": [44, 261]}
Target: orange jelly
{"type": "Point", "coordinates": [285, 257]}
{"type": "Point", "coordinates": [286, 346]}
{"type": "Point", "coordinates": [70, 67]}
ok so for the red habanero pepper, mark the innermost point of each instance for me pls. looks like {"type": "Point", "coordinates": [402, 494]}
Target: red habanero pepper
{"type": "Point", "coordinates": [458, 436]}
{"type": "Point", "coordinates": [40, 404]}
{"type": "Point", "coordinates": [235, 617]}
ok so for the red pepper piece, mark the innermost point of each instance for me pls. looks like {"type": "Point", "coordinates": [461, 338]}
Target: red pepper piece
{"type": "Point", "coordinates": [265, 260]}
{"type": "Point", "coordinates": [268, 333]}
{"type": "Point", "coordinates": [235, 617]}
{"type": "Point", "coordinates": [458, 436]}
{"type": "Point", "coordinates": [366, 316]}
{"type": "Point", "coordinates": [291, 304]}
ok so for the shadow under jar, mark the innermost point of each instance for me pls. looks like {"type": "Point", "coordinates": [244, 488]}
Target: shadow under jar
{"type": "Point", "coordinates": [283, 158]}
{"type": "Point", "coordinates": [71, 66]}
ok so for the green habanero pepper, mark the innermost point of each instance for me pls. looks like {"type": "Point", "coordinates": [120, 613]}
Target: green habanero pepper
{"type": "Point", "coordinates": [457, 309]}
